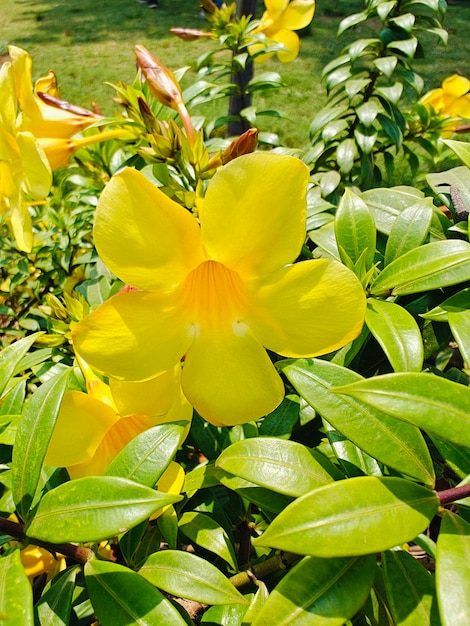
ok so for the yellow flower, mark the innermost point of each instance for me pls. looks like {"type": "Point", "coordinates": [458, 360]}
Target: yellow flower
{"type": "Point", "coordinates": [24, 171]}
{"type": "Point", "coordinates": [279, 21]}
{"type": "Point", "coordinates": [38, 561]}
{"type": "Point", "coordinates": [217, 292]}
{"type": "Point", "coordinates": [92, 428]}
{"type": "Point", "coordinates": [60, 119]}
{"type": "Point", "coordinates": [450, 100]}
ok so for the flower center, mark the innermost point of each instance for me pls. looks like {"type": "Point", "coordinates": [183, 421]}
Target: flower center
{"type": "Point", "coordinates": [214, 294]}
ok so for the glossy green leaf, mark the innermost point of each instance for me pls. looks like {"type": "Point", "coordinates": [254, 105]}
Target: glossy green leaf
{"type": "Point", "coordinates": [146, 457]}
{"type": "Point", "coordinates": [55, 606]}
{"type": "Point", "coordinates": [387, 204]}
{"type": "Point", "coordinates": [319, 592]}
{"type": "Point", "coordinates": [433, 403]}
{"type": "Point", "coordinates": [457, 303]}
{"type": "Point", "coordinates": [94, 508]}
{"type": "Point", "coordinates": [32, 438]}
{"type": "Point", "coordinates": [407, 46]}
{"type": "Point", "coordinates": [120, 597]}
{"type": "Point", "coordinates": [391, 129]}
{"type": "Point", "coordinates": [384, 8]}
{"type": "Point", "coordinates": [411, 590]}
{"type": "Point", "coordinates": [227, 615]}
{"type": "Point", "coordinates": [455, 183]}
{"type": "Point", "coordinates": [186, 575]}
{"type": "Point", "coordinates": [453, 570]}
{"type": "Point", "coordinates": [459, 323]}
{"type": "Point", "coordinates": [352, 20]}
{"type": "Point", "coordinates": [283, 466]}
{"type": "Point", "coordinates": [281, 422]}
{"type": "Point", "coordinates": [265, 499]}
{"type": "Point", "coordinates": [432, 266]}
{"type": "Point", "coordinates": [325, 116]}
{"type": "Point", "coordinates": [355, 229]}
{"type": "Point", "coordinates": [346, 152]}
{"type": "Point", "coordinates": [11, 356]}
{"type": "Point", "coordinates": [325, 239]}
{"type": "Point", "coordinates": [207, 533]}
{"type": "Point", "coordinates": [352, 517]}
{"type": "Point", "coordinates": [369, 428]}
{"type": "Point", "coordinates": [461, 149]}
{"type": "Point", "coordinates": [12, 402]}
{"type": "Point", "coordinates": [398, 334]}
{"type": "Point", "coordinates": [457, 457]}
{"type": "Point", "coordinates": [386, 65]}
{"type": "Point", "coordinates": [409, 230]}
{"type": "Point", "coordinates": [353, 460]}
{"type": "Point", "coordinates": [367, 112]}
{"type": "Point", "coordinates": [16, 594]}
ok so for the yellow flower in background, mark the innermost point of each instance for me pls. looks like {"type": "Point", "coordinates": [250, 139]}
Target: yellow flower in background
{"type": "Point", "coordinates": [217, 293]}
{"type": "Point", "coordinates": [25, 174]}
{"type": "Point", "coordinates": [450, 100]}
{"type": "Point", "coordinates": [278, 24]}
{"type": "Point", "coordinates": [92, 428]}
{"type": "Point", "coordinates": [37, 561]}
{"type": "Point", "coordinates": [54, 119]}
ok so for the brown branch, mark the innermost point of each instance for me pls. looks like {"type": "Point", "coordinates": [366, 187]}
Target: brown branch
{"type": "Point", "coordinates": [447, 496]}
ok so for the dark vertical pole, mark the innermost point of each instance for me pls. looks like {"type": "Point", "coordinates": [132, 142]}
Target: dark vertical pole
{"type": "Point", "coordinates": [241, 100]}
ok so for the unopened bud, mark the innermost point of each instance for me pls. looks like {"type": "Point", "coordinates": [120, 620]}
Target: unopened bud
{"type": "Point", "coordinates": [244, 144]}
{"type": "Point", "coordinates": [208, 7]}
{"type": "Point", "coordinates": [189, 34]}
{"type": "Point", "coordinates": [161, 81]}
{"type": "Point", "coordinates": [148, 117]}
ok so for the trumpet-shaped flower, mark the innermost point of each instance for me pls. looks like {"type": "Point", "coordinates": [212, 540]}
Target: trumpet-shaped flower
{"type": "Point", "coordinates": [216, 292]}
{"type": "Point", "coordinates": [24, 171]}
{"type": "Point", "coordinates": [50, 118]}
{"type": "Point", "coordinates": [92, 428]}
{"type": "Point", "coordinates": [450, 100]}
{"type": "Point", "coordinates": [278, 24]}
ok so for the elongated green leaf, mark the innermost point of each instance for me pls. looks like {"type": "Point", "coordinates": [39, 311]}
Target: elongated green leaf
{"type": "Point", "coordinates": [353, 460]}
{"type": "Point", "coordinates": [458, 303]}
{"type": "Point", "coordinates": [432, 403]}
{"type": "Point", "coordinates": [16, 595]}
{"type": "Point", "coordinates": [352, 517]}
{"type": "Point", "coordinates": [461, 149]}
{"type": "Point", "coordinates": [453, 570]}
{"type": "Point", "coordinates": [265, 499]}
{"type": "Point", "coordinates": [12, 403]}
{"type": "Point", "coordinates": [369, 428]}
{"type": "Point", "coordinates": [94, 508]}
{"type": "Point", "coordinates": [459, 323]}
{"type": "Point", "coordinates": [280, 423]}
{"type": "Point", "coordinates": [411, 590]}
{"type": "Point", "coordinates": [432, 266]}
{"type": "Point", "coordinates": [456, 457]}
{"type": "Point", "coordinates": [11, 356]}
{"type": "Point", "coordinates": [319, 592]}
{"type": "Point", "coordinates": [387, 204]}
{"type": "Point", "coordinates": [186, 575]}
{"type": "Point", "coordinates": [205, 532]}
{"type": "Point", "coordinates": [355, 228]}
{"type": "Point", "coordinates": [397, 332]}
{"type": "Point", "coordinates": [55, 605]}
{"type": "Point", "coordinates": [226, 615]}
{"type": "Point", "coordinates": [283, 466]}
{"type": "Point", "coordinates": [409, 230]}
{"type": "Point", "coordinates": [120, 597]}
{"type": "Point", "coordinates": [32, 438]}
{"type": "Point", "coordinates": [146, 457]}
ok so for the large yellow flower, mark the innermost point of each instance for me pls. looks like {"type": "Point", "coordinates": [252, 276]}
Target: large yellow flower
{"type": "Point", "coordinates": [24, 171]}
{"type": "Point", "coordinates": [92, 428]}
{"type": "Point", "coordinates": [450, 100]}
{"type": "Point", "coordinates": [217, 292]}
{"type": "Point", "coordinates": [279, 21]}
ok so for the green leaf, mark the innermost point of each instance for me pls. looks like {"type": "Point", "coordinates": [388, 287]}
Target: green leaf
{"type": "Point", "coordinates": [120, 597]}
{"type": "Point", "coordinates": [265, 499]}
{"type": "Point", "coordinates": [16, 594]}
{"type": "Point", "coordinates": [283, 466]}
{"type": "Point", "coordinates": [460, 326]}
{"type": "Point", "coordinates": [406, 46]}
{"type": "Point", "coordinates": [409, 230]}
{"type": "Point", "coordinates": [319, 592]}
{"type": "Point", "coordinates": [146, 457]}
{"type": "Point", "coordinates": [355, 229]}
{"type": "Point", "coordinates": [391, 129]}
{"type": "Point", "coordinates": [351, 21]}
{"type": "Point", "coordinates": [398, 334]}
{"type": "Point", "coordinates": [430, 402]}
{"type": "Point", "coordinates": [325, 116]}
{"type": "Point", "coordinates": [94, 508]}
{"type": "Point", "coordinates": [281, 422]}
{"type": "Point", "coordinates": [55, 605]}
{"type": "Point", "coordinates": [386, 65]}
{"type": "Point", "coordinates": [367, 112]}
{"type": "Point", "coordinates": [457, 303]}
{"type": "Point", "coordinates": [227, 615]}
{"type": "Point", "coordinates": [432, 266]}
{"type": "Point", "coordinates": [32, 439]}
{"type": "Point", "coordinates": [461, 149]}
{"type": "Point", "coordinates": [353, 460]}
{"type": "Point", "coordinates": [205, 532]}
{"type": "Point", "coordinates": [186, 575]}
{"type": "Point", "coordinates": [346, 152]}
{"type": "Point", "coordinates": [453, 570]}
{"type": "Point", "coordinates": [369, 428]}
{"type": "Point", "coordinates": [352, 517]}
{"type": "Point", "coordinates": [384, 9]}
{"type": "Point", "coordinates": [387, 204]}
{"type": "Point", "coordinates": [11, 356]}
{"type": "Point", "coordinates": [325, 239]}
{"type": "Point", "coordinates": [410, 590]}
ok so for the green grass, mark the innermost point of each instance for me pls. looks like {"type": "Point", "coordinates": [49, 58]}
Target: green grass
{"type": "Point", "coordinates": [88, 42]}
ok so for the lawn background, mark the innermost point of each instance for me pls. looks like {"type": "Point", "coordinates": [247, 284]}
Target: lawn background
{"type": "Point", "coordinates": [88, 42]}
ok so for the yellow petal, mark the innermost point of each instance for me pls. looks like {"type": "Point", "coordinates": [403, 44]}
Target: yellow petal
{"type": "Point", "coordinates": [115, 439]}
{"type": "Point", "coordinates": [456, 86]}
{"type": "Point", "coordinates": [275, 7]}
{"type": "Point", "coordinates": [229, 378]}
{"type": "Point", "coordinates": [433, 98]}
{"type": "Point", "coordinates": [81, 425]}
{"type": "Point", "coordinates": [152, 397]}
{"type": "Point", "coordinates": [8, 101]}
{"type": "Point", "coordinates": [36, 561]}
{"type": "Point", "coordinates": [291, 42]}
{"type": "Point", "coordinates": [143, 236]}
{"type": "Point", "coordinates": [37, 176]}
{"type": "Point", "coordinates": [252, 202]}
{"type": "Point", "coordinates": [134, 336]}
{"type": "Point", "coordinates": [308, 309]}
{"type": "Point", "coordinates": [298, 14]}
{"type": "Point", "coordinates": [22, 226]}
{"type": "Point", "coordinates": [171, 481]}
